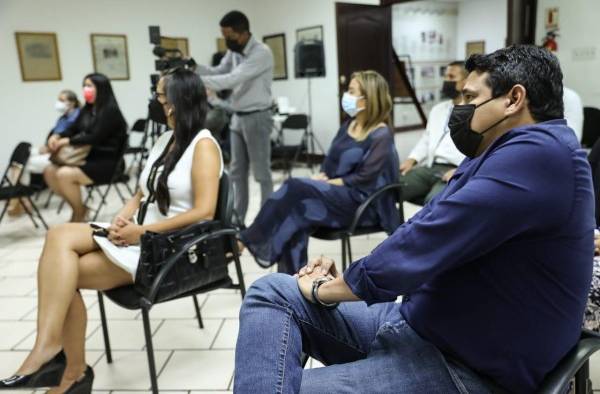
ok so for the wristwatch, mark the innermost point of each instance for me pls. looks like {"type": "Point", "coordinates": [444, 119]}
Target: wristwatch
{"type": "Point", "coordinates": [315, 290]}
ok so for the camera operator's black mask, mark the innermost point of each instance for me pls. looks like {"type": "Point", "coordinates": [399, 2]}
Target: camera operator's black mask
{"type": "Point", "coordinates": [156, 112]}
{"type": "Point", "coordinates": [233, 45]}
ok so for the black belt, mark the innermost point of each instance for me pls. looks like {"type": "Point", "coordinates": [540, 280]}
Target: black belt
{"type": "Point", "coordinates": [244, 113]}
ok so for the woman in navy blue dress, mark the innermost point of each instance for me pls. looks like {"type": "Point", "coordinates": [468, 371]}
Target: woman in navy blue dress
{"type": "Point", "coordinates": [362, 158]}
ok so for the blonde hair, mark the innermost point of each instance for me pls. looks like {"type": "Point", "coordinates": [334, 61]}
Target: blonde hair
{"type": "Point", "coordinates": [376, 93]}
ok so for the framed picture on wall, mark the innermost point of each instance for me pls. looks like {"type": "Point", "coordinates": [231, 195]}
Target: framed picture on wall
{"type": "Point", "coordinates": [109, 52]}
{"type": "Point", "coordinates": [38, 56]}
{"type": "Point", "coordinates": [221, 46]}
{"type": "Point", "coordinates": [310, 33]}
{"type": "Point", "coordinates": [277, 44]}
{"type": "Point", "coordinates": [474, 47]}
{"type": "Point", "coordinates": [180, 43]}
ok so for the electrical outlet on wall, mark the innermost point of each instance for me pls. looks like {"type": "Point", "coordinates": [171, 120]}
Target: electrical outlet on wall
{"type": "Point", "coordinates": [584, 54]}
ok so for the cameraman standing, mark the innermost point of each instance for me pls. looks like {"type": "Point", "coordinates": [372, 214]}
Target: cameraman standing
{"type": "Point", "coordinates": [247, 69]}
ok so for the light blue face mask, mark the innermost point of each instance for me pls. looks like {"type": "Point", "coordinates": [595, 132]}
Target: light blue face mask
{"type": "Point", "coordinates": [349, 104]}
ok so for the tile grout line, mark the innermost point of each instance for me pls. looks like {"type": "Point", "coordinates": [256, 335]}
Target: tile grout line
{"type": "Point", "coordinates": [165, 364]}
{"type": "Point", "coordinates": [14, 348]}
{"type": "Point", "coordinates": [217, 335]}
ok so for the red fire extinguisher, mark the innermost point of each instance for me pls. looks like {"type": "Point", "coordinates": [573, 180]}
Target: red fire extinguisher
{"type": "Point", "coordinates": [550, 41]}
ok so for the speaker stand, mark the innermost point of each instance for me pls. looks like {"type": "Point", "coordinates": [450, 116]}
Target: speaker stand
{"type": "Point", "coordinates": [311, 139]}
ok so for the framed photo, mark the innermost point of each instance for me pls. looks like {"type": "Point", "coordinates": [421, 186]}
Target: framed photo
{"type": "Point", "coordinates": [180, 43]}
{"type": "Point", "coordinates": [38, 56]}
{"type": "Point", "coordinates": [221, 46]}
{"type": "Point", "coordinates": [110, 55]}
{"type": "Point", "coordinates": [443, 71]}
{"type": "Point", "coordinates": [310, 33]}
{"type": "Point", "coordinates": [551, 18]}
{"type": "Point", "coordinates": [277, 44]}
{"type": "Point", "coordinates": [474, 47]}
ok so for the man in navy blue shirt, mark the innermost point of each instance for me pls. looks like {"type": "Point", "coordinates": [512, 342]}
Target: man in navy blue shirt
{"type": "Point", "coordinates": [494, 271]}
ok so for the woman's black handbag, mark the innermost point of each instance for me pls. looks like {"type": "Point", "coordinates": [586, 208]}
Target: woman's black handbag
{"type": "Point", "coordinates": [174, 263]}
{"type": "Point", "coordinates": [185, 259]}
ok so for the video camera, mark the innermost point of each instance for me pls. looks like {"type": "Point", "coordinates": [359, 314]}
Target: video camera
{"type": "Point", "coordinates": [167, 58]}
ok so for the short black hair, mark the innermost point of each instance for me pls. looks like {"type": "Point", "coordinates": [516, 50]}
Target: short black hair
{"type": "Point", "coordinates": [535, 68]}
{"type": "Point", "coordinates": [461, 64]}
{"type": "Point", "coordinates": [236, 20]}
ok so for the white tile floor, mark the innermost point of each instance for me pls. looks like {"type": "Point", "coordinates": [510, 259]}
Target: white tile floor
{"type": "Point", "coordinates": [189, 359]}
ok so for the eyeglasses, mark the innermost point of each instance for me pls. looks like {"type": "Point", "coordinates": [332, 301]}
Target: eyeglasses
{"type": "Point", "coordinates": [160, 97]}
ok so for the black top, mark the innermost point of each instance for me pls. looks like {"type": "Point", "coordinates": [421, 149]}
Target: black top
{"type": "Point", "coordinates": [105, 131]}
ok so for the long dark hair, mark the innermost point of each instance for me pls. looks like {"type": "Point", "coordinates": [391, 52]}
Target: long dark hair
{"type": "Point", "coordinates": [106, 102]}
{"type": "Point", "coordinates": [186, 93]}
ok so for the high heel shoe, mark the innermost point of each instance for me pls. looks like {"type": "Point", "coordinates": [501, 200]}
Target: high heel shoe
{"type": "Point", "coordinates": [48, 375]}
{"type": "Point", "coordinates": [83, 385]}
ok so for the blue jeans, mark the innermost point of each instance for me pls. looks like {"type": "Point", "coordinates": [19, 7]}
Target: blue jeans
{"type": "Point", "coordinates": [366, 349]}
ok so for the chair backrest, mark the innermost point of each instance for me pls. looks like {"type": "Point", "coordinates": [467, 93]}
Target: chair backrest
{"type": "Point", "coordinates": [295, 122]}
{"type": "Point", "coordinates": [139, 126]}
{"type": "Point", "coordinates": [21, 154]}
{"type": "Point", "coordinates": [224, 211]}
{"type": "Point", "coordinates": [591, 126]}
{"type": "Point", "coordinates": [19, 157]}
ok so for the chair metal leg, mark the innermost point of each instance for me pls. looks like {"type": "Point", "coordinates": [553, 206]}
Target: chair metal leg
{"type": "Point", "coordinates": [150, 351]}
{"type": "Point", "coordinates": [583, 384]}
{"type": "Point", "coordinates": [343, 254]}
{"type": "Point", "coordinates": [238, 266]}
{"type": "Point", "coordinates": [50, 194]}
{"type": "Point", "coordinates": [28, 212]}
{"type": "Point", "coordinates": [102, 202]}
{"type": "Point", "coordinates": [104, 328]}
{"type": "Point", "coordinates": [61, 205]}
{"type": "Point", "coordinates": [37, 212]}
{"type": "Point", "coordinates": [198, 315]}
{"type": "Point", "coordinates": [4, 209]}
{"type": "Point", "coordinates": [349, 250]}
{"type": "Point", "coordinates": [129, 189]}
{"type": "Point", "coordinates": [123, 199]}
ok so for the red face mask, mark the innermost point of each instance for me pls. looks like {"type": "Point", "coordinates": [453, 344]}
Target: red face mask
{"type": "Point", "coordinates": [89, 94]}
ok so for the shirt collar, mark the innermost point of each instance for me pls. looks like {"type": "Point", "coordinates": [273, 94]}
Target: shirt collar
{"type": "Point", "coordinates": [249, 45]}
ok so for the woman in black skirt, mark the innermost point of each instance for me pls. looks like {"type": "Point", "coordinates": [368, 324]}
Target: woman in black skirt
{"type": "Point", "coordinates": [101, 125]}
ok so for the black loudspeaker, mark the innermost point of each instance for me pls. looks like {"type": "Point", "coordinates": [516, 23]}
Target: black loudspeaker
{"type": "Point", "coordinates": [309, 59]}
{"type": "Point", "coordinates": [154, 34]}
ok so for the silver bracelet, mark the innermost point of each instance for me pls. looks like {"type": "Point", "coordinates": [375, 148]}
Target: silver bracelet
{"type": "Point", "coordinates": [315, 290]}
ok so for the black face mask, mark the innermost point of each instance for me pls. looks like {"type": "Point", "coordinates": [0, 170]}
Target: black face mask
{"type": "Point", "coordinates": [234, 46]}
{"type": "Point", "coordinates": [449, 90]}
{"type": "Point", "coordinates": [156, 112]}
{"type": "Point", "coordinates": [466, 140]}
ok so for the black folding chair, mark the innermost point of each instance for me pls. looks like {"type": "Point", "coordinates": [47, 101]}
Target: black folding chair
{"type": "Point", "coordinates": [573, 371]}
{"type": "Point", "coordinates": [288, 155]}
{"type": "Point", "coordinates": [591, 126]}
{"type": "Point", "coordinates": [127, 297]}
{"type": "Point", "coordinates": [119, 177]}
{"type": "Point", "coordinates": [10, 190]}
{"type": "Point", "coordinates": [139, 152]}
{"type": "Point", "coordinates": [355, 229]}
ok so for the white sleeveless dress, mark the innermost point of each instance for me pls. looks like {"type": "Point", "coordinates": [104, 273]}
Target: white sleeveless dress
{"type": "Point", "coordinates": [180, 193]}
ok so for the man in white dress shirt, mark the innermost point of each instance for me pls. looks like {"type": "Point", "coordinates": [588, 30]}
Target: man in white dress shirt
{"type": "Point", "coordinates": [432, 162]}
{"type": "Point", "coordinates": [573, 111]}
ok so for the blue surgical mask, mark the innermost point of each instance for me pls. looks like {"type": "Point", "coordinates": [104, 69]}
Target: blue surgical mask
{"type": "Point", "coordinates": [349, 104]}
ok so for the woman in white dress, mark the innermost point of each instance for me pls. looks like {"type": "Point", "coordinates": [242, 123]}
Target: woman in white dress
{"type": "Point", "coordinates": [186, 190]}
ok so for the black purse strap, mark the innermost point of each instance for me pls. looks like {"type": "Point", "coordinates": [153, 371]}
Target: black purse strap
{"type": "Point", "coordinates": [151, 183]}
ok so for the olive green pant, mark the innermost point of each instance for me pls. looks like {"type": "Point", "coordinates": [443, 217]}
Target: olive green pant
{"type": "Point", "coordinates": [421, 184]}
